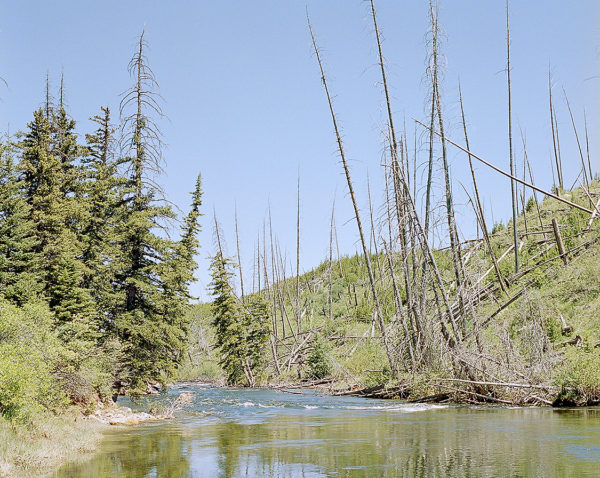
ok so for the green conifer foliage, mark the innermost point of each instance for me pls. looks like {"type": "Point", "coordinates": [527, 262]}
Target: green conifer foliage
{"type": "Point", "coordinates": [153, 282]}
{"type": "Point", "coordinates": [50, 179]}
{"type": "Point", "coordinates": [256, 329]}
{"type": "Point", "coordinates": [103, 191]}
{"type": "Point", "coordinates": [227, 319]}
{"type": "Point", "coordinates": [241, 331]}
{"type": "Point", "coordinates": [19, 276]}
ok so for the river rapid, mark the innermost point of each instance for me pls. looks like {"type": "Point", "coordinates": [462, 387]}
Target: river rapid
{"type": "Point", "coordinates": [227, 432]}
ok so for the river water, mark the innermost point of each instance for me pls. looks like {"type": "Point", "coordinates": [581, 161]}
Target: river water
{"type": "Point", "coordinates": [254, 433]}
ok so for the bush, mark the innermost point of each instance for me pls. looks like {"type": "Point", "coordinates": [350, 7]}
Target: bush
{"type": "Point", "coordinates": [319, 365]}
{"type": "Point", "coordinates": [28, 349]}
{"type": "Point", "coordinates": [579, 377]}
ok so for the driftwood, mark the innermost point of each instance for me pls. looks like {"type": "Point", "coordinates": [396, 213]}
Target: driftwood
{"type": "Point", "coordinates": [495, 384]}
{"type": "Point", "coordinates": [559, 242]}
{"type": "Point", "coordinates": [576, 341]}
{"type": "Point", "coordinates": [480, 395]}
{"type": "Point", "coordinates": [566, 328]}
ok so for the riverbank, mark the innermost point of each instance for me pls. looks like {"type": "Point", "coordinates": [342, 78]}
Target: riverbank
{"type": "Point", "coordinates": [50, 441]}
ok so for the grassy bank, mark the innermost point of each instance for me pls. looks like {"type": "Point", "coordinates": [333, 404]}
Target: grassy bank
{"type": "Point", "coordinates": [41, 448]}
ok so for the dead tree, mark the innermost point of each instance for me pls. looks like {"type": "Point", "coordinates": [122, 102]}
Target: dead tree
{"type": "Point", "coordinates": [378, 312]}
{"type": "Point", "coordinates": [513, 189]}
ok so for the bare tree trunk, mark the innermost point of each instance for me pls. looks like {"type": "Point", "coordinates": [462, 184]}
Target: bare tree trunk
{"type": "Point", "coordinates": [452, 229]}
{"type": "Point", "coordinates": [298, 315]}
{"type": "Point", "coordinates": [558, 143]}
{"type": "Point", "coordinates": [331, 262]}
{"type": "Point", "coordinates": [587, 145]}
{"type": "Point", "coordinates": [378, 311]}
{"type": "Point", "coordinates": [239, 257]}
{"type": "Point", "coordinates": [217, 233]}
{"type": "Point", "coordinates": [537, 205]}
{"type": "Point", "coordinates": [273, 274]}
{"type": "Point", "coordinates": [479, 207]}
{"type": "Point", "coordinates": [510, 145]}
{"type": "Point", "coordinates": [585, 174]}
{"type": "Point", "coordinates": [554, 134]}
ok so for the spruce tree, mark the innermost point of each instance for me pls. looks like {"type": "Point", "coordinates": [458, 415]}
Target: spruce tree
{"type": "Point", "coordinates": [242, 331]}
{"type": "Point", "coordinates": [151, 323]}
{"type": "Point", "coordinates": [19, 275]}
{"type": "Point", "coordinates": [103, 190]}
{"type": "Point", "coordinates": [227, 320]}
{"type": "Point", "coordinates": [256, 330]}
{"type": "Point", "coordinates": [49, 182]}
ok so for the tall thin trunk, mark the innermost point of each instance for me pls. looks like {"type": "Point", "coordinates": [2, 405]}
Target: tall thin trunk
{"type": "Point", "coordinates": [479, 206]}
{"type": "Point", "coordinates": [331, 261]}
{"type": "Point", "coordinates": [378, 311]}
{"type": "Point", "coordinates": [239, 257]}
{"type": "Point", "coordinates": [298, 315]}
{"type": "Point", "coordinates": [583, 166]}
{"type": "Point", "coordinates": [452, 229]}
{"type": "Point", "coordinates": [510, 145]}
{"type": "Point", "coordinates": [274, 281]}
{"type": "Point", "coordinates": [217, 234]}
{"type": "Point", "coordinates": [537, 205]}
{"type": "Point", "coordinates": [554, 134]}
{"type": "Point", "coordinates": [587, 145]}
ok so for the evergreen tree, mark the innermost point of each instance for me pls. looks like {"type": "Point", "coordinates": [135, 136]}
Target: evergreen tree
{"type": "Point", "coordinates": [256, 330]}
{"type": "Point", "coordinates": [103, 190]}
{"type": "Point", "coordinates": [48, 183]}
{"type": "Point", "coordinates": [241, 331]}
{"type": "Point", "coordinates": [19, 276]}
{"type": "Point", "coordinates": [227, 320]}
{"type": "Point", "coordinates": [151, 322]}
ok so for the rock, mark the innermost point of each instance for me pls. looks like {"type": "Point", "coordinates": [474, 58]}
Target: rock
{"type": "Point", "coordinates": [185, 397]}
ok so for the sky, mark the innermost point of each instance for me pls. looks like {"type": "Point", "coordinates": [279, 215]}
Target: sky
{"type": "Point", "coordinates": [245, 106]}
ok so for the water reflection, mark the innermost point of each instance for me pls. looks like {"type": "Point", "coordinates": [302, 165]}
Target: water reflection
{"type": "Point", "coordinates": [233, 433]}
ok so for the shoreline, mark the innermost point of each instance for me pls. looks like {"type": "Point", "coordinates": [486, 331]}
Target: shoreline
{"type": "Point", "coordinates": [41, 448]}
{"type": "Point", "coordinates": [436, 393]}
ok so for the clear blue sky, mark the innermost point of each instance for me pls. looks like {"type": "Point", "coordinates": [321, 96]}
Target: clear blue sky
{"type": "Point", "coordinates": [245, 104]}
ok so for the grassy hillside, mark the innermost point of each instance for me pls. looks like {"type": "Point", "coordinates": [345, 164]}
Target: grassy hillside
{"type": "Point", "coordinates": [536, 342]}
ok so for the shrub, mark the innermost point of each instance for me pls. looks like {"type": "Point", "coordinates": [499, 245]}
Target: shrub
{"type": "Point", "coordinates": [579, 377]}
{"type": "Point", "coordinates": [27, 351]}
{"type": "Point", "coordinates": [319, 365]}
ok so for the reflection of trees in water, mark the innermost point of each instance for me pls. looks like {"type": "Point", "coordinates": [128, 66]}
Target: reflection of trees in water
{"type": "Point", "coordinates": [161, 454]}
{"type": "Point", "coordinates": [449, 444]}
{"type": "Point", "coordinates": [458, 443]}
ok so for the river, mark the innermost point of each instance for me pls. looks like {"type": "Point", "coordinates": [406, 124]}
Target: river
{"type": "Point", "coordinates": [252, 433]}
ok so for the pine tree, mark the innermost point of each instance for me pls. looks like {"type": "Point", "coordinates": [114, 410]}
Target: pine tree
{"type": "Point", "coordinates": [103, 190]}
{"type": "Point", "coordinates": [151, 323]}
{"type": "Point", "coordinates": [227, 320]}
{"type": "Point", "coordinates": [19, 276]}
{"type": "Point", "coordinates": [49, 183]}
{"type": "Point", "coordinates": [256, 329]}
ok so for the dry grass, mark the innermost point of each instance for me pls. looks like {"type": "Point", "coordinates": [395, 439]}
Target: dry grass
{"type": "Point", "coordinates": [42, 448]}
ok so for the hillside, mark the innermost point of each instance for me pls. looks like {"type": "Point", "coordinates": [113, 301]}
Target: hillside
{"type": "Point", "coordinates": [537, 342]}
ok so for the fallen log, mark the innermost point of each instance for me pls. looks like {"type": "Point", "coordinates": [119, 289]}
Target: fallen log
{"type": "Point", "coordinates": [576, 341]}
{"type": "Point", "coordinates": [495, 384]}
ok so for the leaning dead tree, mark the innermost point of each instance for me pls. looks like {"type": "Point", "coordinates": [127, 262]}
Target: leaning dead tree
{"type": "Point", "coordinates": [378, 311]}
{"type": "Point", "coordinates": [513, 188]}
